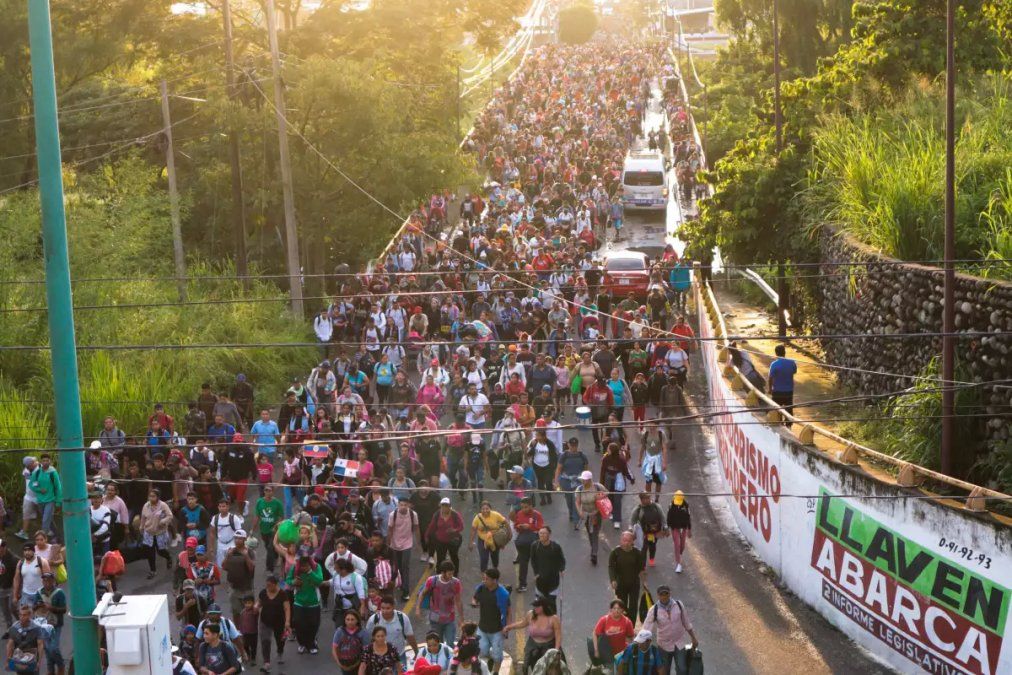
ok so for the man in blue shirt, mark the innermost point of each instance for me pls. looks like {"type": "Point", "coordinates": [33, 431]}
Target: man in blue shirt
{"type": "Point", "coordinates": [221, 431]}
{"type": "Point", "coordinates": [265, 434]}
{"type": "Point", "coordinates": [781, 379]}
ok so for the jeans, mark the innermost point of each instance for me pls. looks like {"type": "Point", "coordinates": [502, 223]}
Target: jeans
{"type": "Point", "coordinates": [629, 594]}
{"type": "Point", "coordinates": [293, 495]}
{"type": "Point", "coordinates": [476, 476]}
{"type": "Point", "coordinates": [523, 544]}
{"type": "Point", "coordinates": [455, 471]}
{"type": "Point", "coordinates": [5, 607]}
{"type": "Point", "coordinates": [442, 550]}
{"type": "Point", "coordinates": [403, 561]}
{"type": "Point", "coordinates": [484, 554]}
{"type": "Point", "coordinates": [447, 631]}
{"type": "Point", "coordinates": [271, 552]}
{"type": "Point", "coordinates": [267, 634]}
{"type": "Point", "coordinates": [569, 485]}
{"type": "Point", "coordinates": [490, 645]}
{"type": "Point", "coordinates": [48, 512]}
{"type": "Point", "coordinates": [543, 476]}
{"type": "Point", "coordinates": [306, 624]}
{"type": "Point", "coordinates": [54, 658]}
{"type": "Point", "coordinates": [592, 523]}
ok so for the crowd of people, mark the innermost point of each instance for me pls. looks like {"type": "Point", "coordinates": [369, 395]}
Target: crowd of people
{"type": "Point", "coordinates": [454, 372]}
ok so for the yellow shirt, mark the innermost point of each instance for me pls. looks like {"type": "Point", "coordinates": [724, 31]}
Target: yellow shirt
{"type": "Point", "coordinates": [493, 521]}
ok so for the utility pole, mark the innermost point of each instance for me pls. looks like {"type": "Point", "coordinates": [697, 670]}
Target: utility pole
{"type": "Point", "coordinates": [170, 169]}
{"type": "Point", "coordinates": [458, 101]}
{"type": "Point", "coordinates": [949, 289]}
{"type": "Point", "coordinates": [63, 348]}
{"type": "Point", "coordinates": [238, 206]}
{"type": "Point", "coordinates": [778, 123]}
{"type": "Point", "coordinates": [291, 231]}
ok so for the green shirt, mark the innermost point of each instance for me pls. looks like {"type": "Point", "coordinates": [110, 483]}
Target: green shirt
{"type": "Point", "coordinates": [269, 513]}
{"type": "Point", "coordinates": [46, 485]}
{"type": "Point", "coordinates": [306, 595]}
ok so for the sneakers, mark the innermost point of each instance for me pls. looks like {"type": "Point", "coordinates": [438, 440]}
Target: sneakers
{"type": "Point", "coordinates": [405, 597]}
{"type": "Point", "coordinates": [617, 525]}
{"type": "Point", "coordinates": [302, 650]}
{"type": "Point", "coordinates": [314, 650]}
{"type": "Point", "coordinates": [678, 568]}
{"type": "Point", "coordinates": [576, 526]}
{"type": "Point", "coordinates": [522, 588]}
{"type": "Point", "coordinates": [22, 535]}
{"type": "Point", "coordinates": [266, 668]}
{"type": "Point", "coordinates": [593, 560]}
{"type": "Point", "coordinates": [652, 562]}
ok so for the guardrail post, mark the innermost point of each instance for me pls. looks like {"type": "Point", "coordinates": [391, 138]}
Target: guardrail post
{"type": "Point", "coordinates": [907, 477]}
{"type": "Point", "coordinates": [807, 435]}
{"type": "Point", "coordinates": [848, 455]}
{"type": "Point", "coordinates": [976, 502]}
{"type": "Point", "coordinates": [774, 417]}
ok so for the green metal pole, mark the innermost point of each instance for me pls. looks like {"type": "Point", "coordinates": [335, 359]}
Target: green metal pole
{"type": "Point", "coordinates": [63, 349]}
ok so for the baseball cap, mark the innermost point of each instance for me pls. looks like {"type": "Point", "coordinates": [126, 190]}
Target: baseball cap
{"type": "Point", "coordinates": [96, 445]}
{"type": "Point", "coordinates": [213, 608]}
{"type": "Point", "coordinates": [201, 549]}
{"type": "Point", "coordinates": [663, 588]}
{"type": "Point", "coordinates": [189, 584]}
{"type": "Point", "coordinates": [546, 387]}
{"type": "Point", "coordinates": [240, 533]}
{"type": "Point", "coordinates": [445, 501]}
{"type": "Point", "coordinates": [586, 475]}
{"type": "Point", "coordinates": [191, 542]}
{"type": "Point", "coordinates": [641, 637]}
{"type": "Point", "coordinates": [516, 469]}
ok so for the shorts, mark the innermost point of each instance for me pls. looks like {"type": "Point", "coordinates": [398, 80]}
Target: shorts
{"type": "Point", "coordinates": [30, 509]}
{"type": "Point", "coordinates": [617, 223]}
{"type": "Point", "coordinates": [657, 478]}
{"type": "Point", "coordinates": [490, 645]}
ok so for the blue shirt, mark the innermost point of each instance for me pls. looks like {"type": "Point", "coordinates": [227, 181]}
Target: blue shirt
{"type": "Point", "coordinates": [265, 434]}
{"type": "Point", "coordinates": [680, 279]}
{"type": "Point", "coordinates": [222, 432]}
{"type": "Point", "coordinates": [782, 372]}
{"type": "Point", "coordinates": [384, 373]}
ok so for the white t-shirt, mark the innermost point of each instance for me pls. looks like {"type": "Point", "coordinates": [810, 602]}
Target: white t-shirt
{"type": "Point", "coordinates": [225, 528]}
{"type": "Point", "coordinates": [677, 359]}
{"type": "Point", "coordinates": [476, 406]}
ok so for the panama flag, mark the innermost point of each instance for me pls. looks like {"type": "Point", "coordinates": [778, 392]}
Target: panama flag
{"type": "Point", "coordinates": [345, 468]}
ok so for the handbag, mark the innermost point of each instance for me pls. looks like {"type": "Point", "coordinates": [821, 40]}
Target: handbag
{"type": "Point", "coordinates": [689, 661]}
{"type": "Point", "coordinates": [603, 504]}
{"type": "Point", "coordinates": [620, 483]}
{"type": "Point", "coordinates": [61, 573]}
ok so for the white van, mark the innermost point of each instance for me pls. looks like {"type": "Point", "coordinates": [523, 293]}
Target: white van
{"type": "Point", "coordinates": [644, 181]}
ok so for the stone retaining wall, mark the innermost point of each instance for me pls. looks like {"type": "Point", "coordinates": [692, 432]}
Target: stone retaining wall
{"type": "Point", "coordinates": [906, 298]}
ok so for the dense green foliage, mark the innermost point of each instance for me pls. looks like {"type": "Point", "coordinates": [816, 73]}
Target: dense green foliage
{"type": "Point", "coordinates": [863, 84]}
{"type": "Point", "coordinates": [881, 175]}
{"type": "Point", "coordinates": [374, 89]}
{"type": "Point", "coordinates": [119, 231]}
{"type": "Point", "coordinates": [577, 23]}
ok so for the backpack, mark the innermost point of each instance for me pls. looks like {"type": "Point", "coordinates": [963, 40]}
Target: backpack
{"type": "Point", "coordinates": [112, 564]}
{"type": "Point", "coordinates": [426, 594]}
{"type": "Point", "coordinates": [681, 613]}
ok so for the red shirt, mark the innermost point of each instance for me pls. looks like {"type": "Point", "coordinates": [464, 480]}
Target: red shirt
{"type": "Point", "coordinates": [534, 519]}
{"type": "Point", "coordinates": [618, 632]}
{"type": "Point", "coordinates": [684, 330]}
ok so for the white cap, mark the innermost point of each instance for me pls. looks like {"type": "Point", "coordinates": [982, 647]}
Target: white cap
{"type": "Point", "coordinates": [240, 533]}
{"type": "Point", "coordinates": [643, 636]}
{"type": "Point", "coordinates": [96, 445]}
{"type": "Point", "coordinates": [586, 475]}
{"type": "Point", "coordinates": [475, 439]}
{"type": "Point", "coordinates": [445, 501]}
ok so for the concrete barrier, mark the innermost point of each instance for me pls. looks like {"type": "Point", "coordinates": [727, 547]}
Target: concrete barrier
{"type": "Point", "coordinates": [920, 582]}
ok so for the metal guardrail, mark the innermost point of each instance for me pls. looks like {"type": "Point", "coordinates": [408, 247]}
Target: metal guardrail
{"type": "Point", "coordinates": [909, 475]}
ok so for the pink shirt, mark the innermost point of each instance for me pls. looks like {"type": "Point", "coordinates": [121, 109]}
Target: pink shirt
{"type": "Point", "coordinates": [401, 529]}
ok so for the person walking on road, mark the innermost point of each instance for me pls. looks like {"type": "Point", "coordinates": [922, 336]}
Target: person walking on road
{"type": "Point", "coordinates": [586, 505]}
{"type": "Point", "coordinates": [527, 521]}
{"type": "Point", "coordinates": [444, 533]}
{"type": "Point", "coordinates": [642, 657]}
{"type": "Point", "coordinates": [483, 528]}
{"type": "Point", "coordinates": [274, 605]}
{"type": "Point", "coordinates": [680, 523]}
{"type": "Point", "coordinates": [549, 564]}
{"type": "Point", "coordinates": [781, 379]}
{"type": "Point", "coordinates": [626, 571]}
{"type": "Point", "coordinates": [612, 634]}
{"type": "Point", "coordinates": [305, 577]}
{"type": "Point", "coordinates": [669, 620]}
{"type": "Point", "coordinates": [571, 464]}
{"type": "Point", "coordinates": [494, 613]}
{"type": "Point", "coordinates": [47, 489]}
{"type": "Point", "coordinates": [402, 530]}
{"type": "Point", "coordinates": [397, 625]}
{"type": "Point", "coordinates": [446, 610]}
{"type": "Point", "coordinates": [648, 517]}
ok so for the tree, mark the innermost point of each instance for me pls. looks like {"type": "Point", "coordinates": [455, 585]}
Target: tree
{"type": "Point", "coordinates": [577, 24]}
